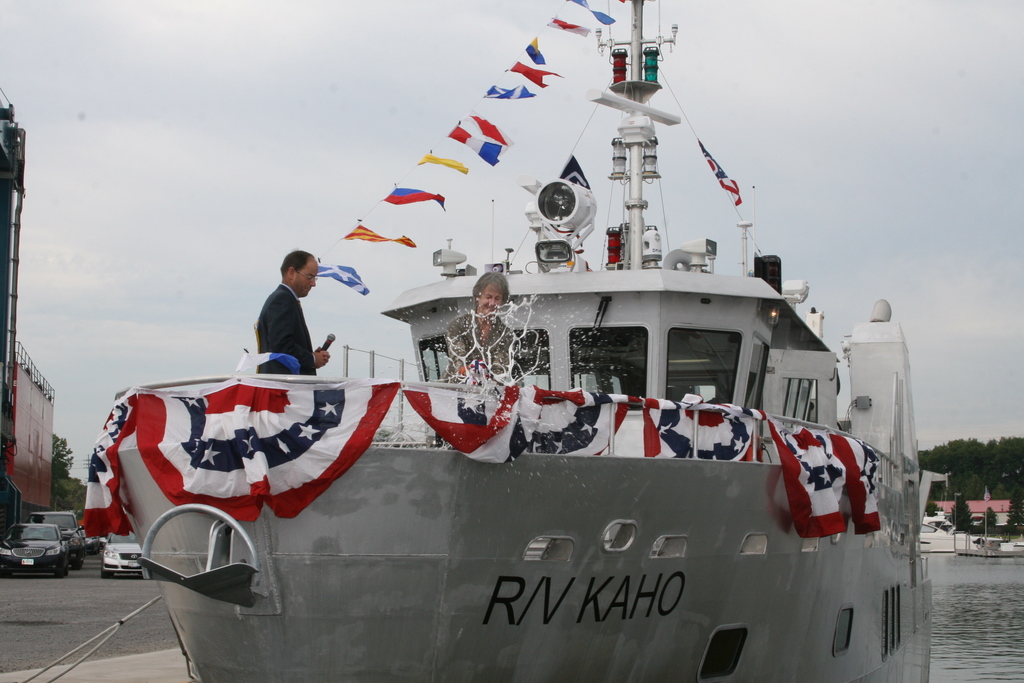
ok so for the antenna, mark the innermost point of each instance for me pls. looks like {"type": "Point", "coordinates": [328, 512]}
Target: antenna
{"type": "Point", "coordinates": [745, 226]}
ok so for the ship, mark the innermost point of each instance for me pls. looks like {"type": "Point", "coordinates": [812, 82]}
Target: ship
{"type": "Point", "coordinates": [621, 541]}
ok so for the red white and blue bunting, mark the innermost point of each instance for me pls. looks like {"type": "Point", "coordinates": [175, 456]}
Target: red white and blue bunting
{"type": "Point", "coordinates": [247, 442]}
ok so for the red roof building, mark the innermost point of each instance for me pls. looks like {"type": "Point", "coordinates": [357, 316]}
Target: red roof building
{"type": "Point", "coordinates": [978, 508]}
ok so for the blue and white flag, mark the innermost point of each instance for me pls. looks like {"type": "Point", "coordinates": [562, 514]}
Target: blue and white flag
{"type": "Point", "coordinates": [344, 275]}
{"type": "Point", "coordinates": [600, 16]}
{"type": "Point", "coordinates": [251, 360]}
{"type": "Point", "coordinates": [517, 93]}
{"type": "Point", "coordinates": [574, 173]}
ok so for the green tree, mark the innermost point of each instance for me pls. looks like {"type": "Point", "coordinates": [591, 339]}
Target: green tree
{"type": "Point", "coordinates": [66, 492]}
{"type": "Point", "coordinates": [962, 514]}
{"type": "Point", "coordinates": [1015, 514]}
{"type": "Point", "coordinates": [931, 509]}
{"type": "Point", "coordinates": [989, 521]}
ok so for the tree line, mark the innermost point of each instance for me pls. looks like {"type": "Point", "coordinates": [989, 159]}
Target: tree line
{"type": "Point", "coordinates": [974, 467]}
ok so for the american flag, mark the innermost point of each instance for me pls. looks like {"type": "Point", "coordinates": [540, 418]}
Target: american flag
{"type": "Point", "coordinates": [237, 445]}
{"type": "Point", "coordinates": [987, 496]}
{"type": "Point", "coordinates": [725, 181]}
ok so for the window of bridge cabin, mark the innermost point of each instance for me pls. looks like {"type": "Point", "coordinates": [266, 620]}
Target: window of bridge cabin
{"type": "Point", "coordinates": [532, 358]}
{"type": "Point", "coordinates": [433, 357]}
{"type": "Point", "coordinates": [611, 360]}
{"type": "Point", "coordinates": [755, 376]}
{"type": "Point", "coordinates": [532, 354]}
{"type": "Point", "coordinates": [801, 399]}
{"type": "Point", "coordinates": [702, 362]}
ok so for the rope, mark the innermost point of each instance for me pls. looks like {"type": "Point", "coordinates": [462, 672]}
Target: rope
{"type": "Point", "coordinates": [107, 632]}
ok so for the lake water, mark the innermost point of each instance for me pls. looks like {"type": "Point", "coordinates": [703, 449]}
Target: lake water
{"type": "Point", "coordinates": [977, 618]}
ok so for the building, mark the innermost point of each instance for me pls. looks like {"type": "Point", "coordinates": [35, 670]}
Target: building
{"type": "Point", "coordinates": [978, 508]}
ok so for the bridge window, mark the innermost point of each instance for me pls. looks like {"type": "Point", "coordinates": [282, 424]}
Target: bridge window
{"type": "Point", "coordinates": [755, 377]}
{"type": "Point", "coordinates": [801, 399]}
{"type": "Point", "coordinates": [610, 360]}
{"type": "Point", "coordinates": [702, 362]}
{"type": "Point", "coordinates": [434, 357]}
{"type": "Point", "coordinates": [531, 351]}
{"type": "Point", "coordinates": [533, 358]}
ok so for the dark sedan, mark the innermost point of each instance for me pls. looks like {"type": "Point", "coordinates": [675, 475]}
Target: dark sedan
{"type": "Point", "coordinates": [37, 548]}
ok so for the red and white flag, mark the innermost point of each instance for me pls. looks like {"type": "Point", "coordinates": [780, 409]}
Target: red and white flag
{"type": "Point", "coordinates": [236, 445]}
{"type": "Point", "coordinates": [571, 28]}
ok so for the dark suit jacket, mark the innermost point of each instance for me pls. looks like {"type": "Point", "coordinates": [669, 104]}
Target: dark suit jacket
{"type": "Point", "coordinates": [282, 329]}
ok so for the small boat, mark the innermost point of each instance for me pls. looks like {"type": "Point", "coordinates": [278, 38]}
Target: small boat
{"type": "Point", "coordinates": [935, 539]}
{"type": "Point", "coordinates": [662, 491]}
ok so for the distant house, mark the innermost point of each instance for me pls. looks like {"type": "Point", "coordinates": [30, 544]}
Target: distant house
{"type": "Point", "coordinates": [978, 508]}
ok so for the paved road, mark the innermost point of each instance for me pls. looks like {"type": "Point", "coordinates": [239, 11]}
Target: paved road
{"type": "Point", "coordinates": [41, 618]}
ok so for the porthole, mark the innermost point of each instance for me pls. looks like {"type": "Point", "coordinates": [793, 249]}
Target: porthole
{"type": "Point", "coordinates": [754, 544]}
{"type": "Point", "coordinates": [549, 548]}
{"type": "Point", "coordinates": [669, 546]}
{"type": "Point", "coordinates": [844, 629]}
{"type": "Point", "coordinates": [722, 655]}
{"type": "Point", "coordinates": [618, 536]}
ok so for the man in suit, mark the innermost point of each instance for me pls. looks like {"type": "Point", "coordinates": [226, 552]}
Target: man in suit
{"type": "Point", "coordinates": [282, 327]}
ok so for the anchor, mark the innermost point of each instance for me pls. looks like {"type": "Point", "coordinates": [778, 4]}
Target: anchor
{"type": "Point", "coordinates": [224, 579]}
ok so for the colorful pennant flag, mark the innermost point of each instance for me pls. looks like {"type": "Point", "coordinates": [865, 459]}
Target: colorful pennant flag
{"type": "Point", "coordinates": [535, 76]}
{"type": "Point", "coordinates": [345, 275]}
{"type": "Point", "coordinates": [489, 145]}
{"type": "Point", "coordinates": [533, 49]}
{"type": "Point", "coordinates": [517, 93]}
{"type": "Point", "coordinates": [574, 173]}
{"type": "Point", "coordinates": [450, 163]}
{"type": "Point", "coordinates": [723, 179]}
{"type": "Point", "coordinates": [407, 195]}
{"type": "Point", "coordinates": [571, 28]}
{"type": "Point", "coordinates": [600, 16]}
{"type": "Point", "coordinates": [362, 233]}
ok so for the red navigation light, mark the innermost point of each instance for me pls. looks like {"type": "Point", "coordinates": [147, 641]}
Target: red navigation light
{"type": "Point", "coordinates": [614, 234]}
{"type": "Point", "coordinates": [618, 66]}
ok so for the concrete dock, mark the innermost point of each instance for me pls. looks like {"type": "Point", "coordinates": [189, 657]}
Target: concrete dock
{"type": "Point", "coordinates": [166, 666]}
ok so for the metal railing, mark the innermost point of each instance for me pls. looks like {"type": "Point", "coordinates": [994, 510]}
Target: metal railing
{"type": "Point", "coordinates": [22, 358]}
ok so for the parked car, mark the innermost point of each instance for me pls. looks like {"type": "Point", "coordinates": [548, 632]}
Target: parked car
{"type": "Point", "coordinates": [121, 556]}
{"type": "Point", "coordinates": [38, 548]}
{"type": "Point", "coordinates": [94, 545]}
{"type": "Point", "coordinates": [71, 530]}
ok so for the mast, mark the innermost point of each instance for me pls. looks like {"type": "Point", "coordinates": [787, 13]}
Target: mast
{"type": "Point", "coordinates": [636, 131]}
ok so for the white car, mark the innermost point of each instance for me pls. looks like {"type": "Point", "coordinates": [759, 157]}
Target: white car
{"type": "Point", "coordinates": [121, 556]}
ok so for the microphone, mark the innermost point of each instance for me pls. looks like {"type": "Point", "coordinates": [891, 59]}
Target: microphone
{"type": "Point", "coordinates": [327, 344]}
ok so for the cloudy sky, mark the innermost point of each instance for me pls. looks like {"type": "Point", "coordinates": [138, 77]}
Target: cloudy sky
{"type": "Point", "coordinates": [177, 150]}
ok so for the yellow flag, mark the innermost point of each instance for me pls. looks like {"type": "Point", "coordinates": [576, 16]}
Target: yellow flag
{"type": "Point", "coordinates": [450, 163]}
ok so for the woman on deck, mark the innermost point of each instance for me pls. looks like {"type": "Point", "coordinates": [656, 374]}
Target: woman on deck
{"type": "Point", "coordinates": [481, 335]}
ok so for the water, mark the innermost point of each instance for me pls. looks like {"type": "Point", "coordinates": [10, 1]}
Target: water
{"type": "Point", "coordinates": [977, 619]}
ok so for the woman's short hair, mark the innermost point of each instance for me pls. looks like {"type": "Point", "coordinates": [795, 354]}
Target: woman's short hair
{"type": "Point", "coordinates": [496, 280]}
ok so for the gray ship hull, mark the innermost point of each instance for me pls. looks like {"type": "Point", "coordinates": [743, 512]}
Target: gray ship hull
{"type": "Point", "coordinates": [415, 566]}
